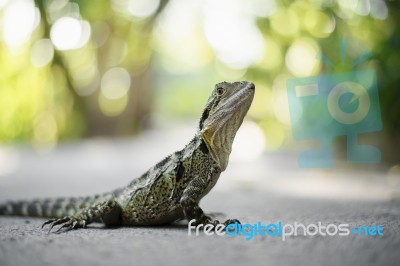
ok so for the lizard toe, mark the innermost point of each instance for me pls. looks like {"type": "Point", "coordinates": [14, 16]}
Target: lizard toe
{"type": "Point", "coordinates": [55, 222]}
{"type": "Point", "coordinates": [67, 225]}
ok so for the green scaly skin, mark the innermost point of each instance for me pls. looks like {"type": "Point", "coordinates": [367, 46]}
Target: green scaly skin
{"type": "Point", "coordinates": [170, 190]}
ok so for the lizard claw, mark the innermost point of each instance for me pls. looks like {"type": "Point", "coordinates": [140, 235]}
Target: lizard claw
{"type": "Point", "coordinates": [74, 224]}
{"type": "Point", "coordinates": [65, 225]}
{"type": "Point", "coordinates": [48, 222]}
{"type": "Point", "coordinates": [69, 222]}
{"type": "Point", "coordinates": [53, 222]}
{"type": "Point", "coordinates": [215, 223]}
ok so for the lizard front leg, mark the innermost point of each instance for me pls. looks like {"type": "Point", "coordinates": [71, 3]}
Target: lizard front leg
{"type": "Point", "coordinates": [109, 211]}
{"type": "Point", "coordinates": [190, 204]}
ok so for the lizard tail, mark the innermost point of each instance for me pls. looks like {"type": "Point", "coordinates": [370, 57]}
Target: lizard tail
{"type": "Point", "coordinates": [49, 208]}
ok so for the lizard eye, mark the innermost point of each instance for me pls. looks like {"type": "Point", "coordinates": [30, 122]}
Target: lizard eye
{"type": "Point", "coordinates": [220, 91]}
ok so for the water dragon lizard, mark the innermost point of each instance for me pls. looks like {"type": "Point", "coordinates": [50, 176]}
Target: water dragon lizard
{"type": "Point", "coordinates": [168, 191]}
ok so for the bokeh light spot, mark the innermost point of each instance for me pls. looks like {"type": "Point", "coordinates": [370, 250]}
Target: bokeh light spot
{"type": "Point", "coordinates": [300, 57]}
{"type": "Point", "coordinates": [85, 78]}
{"type": "Point", "coordinates": [115, 83]}
{"type": "Point", "coordinates": [143, 8]}
{"type": "Point", "coordinates": [285, 22]}
{"type": "Point", "coordinates": [21, 17]}
{"type": "Point", "coordinates": [233, 33]}
{"type": "Point", "coordinates": [42, 52]}
{"type": "Point", "coordinates": [112, 107]}
{"type": "Point", "coordinates": [379, 9]}
{"type": "Point", "coordinates": [273, 55]}
{"type": "Point", "coordinates": [70, 33]}
{"type": "Point", "coordinates": [319, 24]}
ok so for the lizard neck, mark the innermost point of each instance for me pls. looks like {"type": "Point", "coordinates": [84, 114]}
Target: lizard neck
{"type": "Point", "coordinates": [218, 150]}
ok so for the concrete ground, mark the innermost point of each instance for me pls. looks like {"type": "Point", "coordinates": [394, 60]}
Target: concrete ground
{"type": "Point", "coordinates": [269, 188]}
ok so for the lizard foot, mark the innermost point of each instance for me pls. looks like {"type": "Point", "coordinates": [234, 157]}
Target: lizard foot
{"type": "Point", "coordinates": [101, 210]}
{"type": "Point", "coordinates": [216, 222]}
{"type": "Point", "coordinates": [69, 222]}
{"type": "Point", "coordinates": [231, 221]}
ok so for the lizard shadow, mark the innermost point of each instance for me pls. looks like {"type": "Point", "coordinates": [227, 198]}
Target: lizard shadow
{"type": "Point", "coordinates": [178, 224]}
{"type": "Point", "coordinates": [174, 225]}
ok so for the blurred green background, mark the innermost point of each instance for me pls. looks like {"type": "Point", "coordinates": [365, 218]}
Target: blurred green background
{"type": "Point", "coordinates": [80, 69]}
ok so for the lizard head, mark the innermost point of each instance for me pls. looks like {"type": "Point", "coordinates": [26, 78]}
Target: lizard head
{"type": "Point", "coordinates": [222, 117]}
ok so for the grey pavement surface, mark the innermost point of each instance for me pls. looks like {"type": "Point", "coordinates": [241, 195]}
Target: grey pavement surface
{"type": "Point", "coordinates": [269, 189]}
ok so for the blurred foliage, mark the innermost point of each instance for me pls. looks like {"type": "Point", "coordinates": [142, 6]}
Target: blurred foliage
{"type": "Point", "coordinates": [73, 69]}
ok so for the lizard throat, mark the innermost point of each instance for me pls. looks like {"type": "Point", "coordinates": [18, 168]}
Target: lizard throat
{"type": "Point", "coordinates": [221, 127]}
